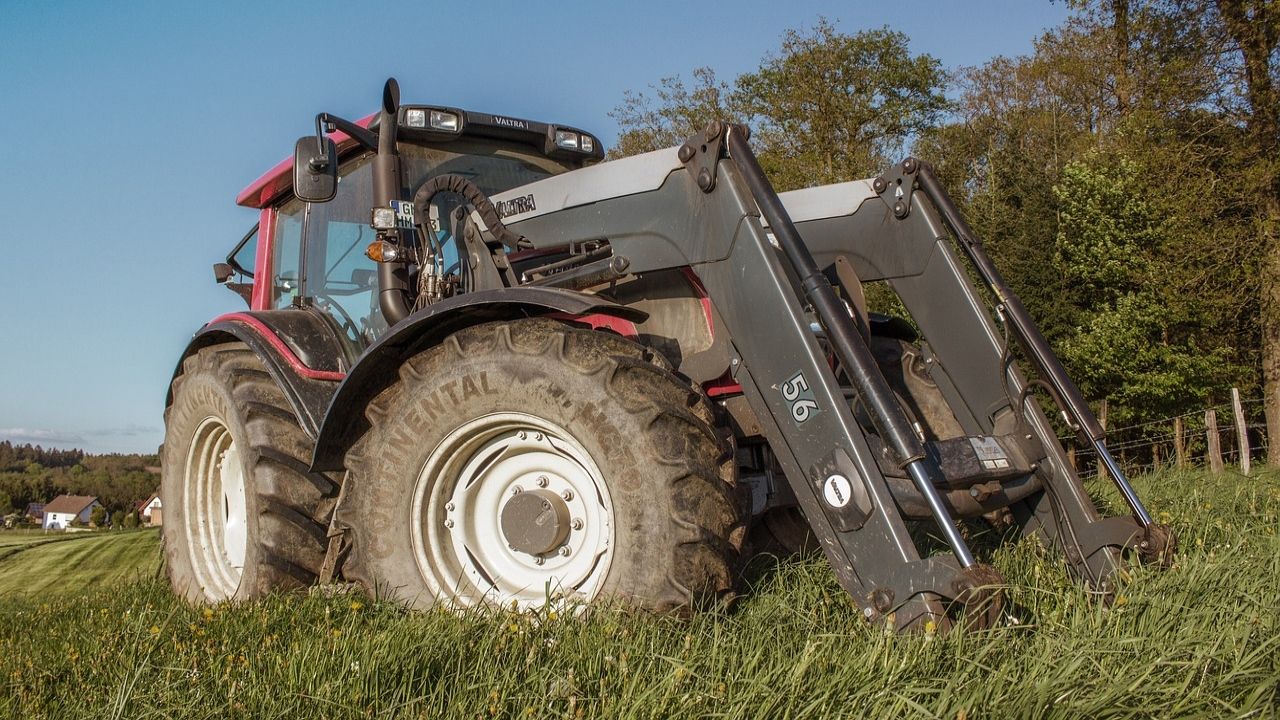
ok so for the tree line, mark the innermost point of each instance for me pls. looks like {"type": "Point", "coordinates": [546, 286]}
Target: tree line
{"type": "Point", "coordinates": [34, 474]}
{"type": "Point", "coordinates": [1125, 175]}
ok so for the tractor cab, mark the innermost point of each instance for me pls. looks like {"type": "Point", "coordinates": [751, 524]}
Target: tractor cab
{"type": "Point", "coordinates": [310, 252]}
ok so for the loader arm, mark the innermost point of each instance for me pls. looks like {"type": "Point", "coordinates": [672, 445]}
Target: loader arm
{"type": "Point", "coordinates": [910, 247]}
{"type": "Point", "coordinates": [765, 262]}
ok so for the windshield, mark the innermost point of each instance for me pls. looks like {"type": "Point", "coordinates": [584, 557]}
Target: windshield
{"type": "Point", "coordinates": [493, 165]}
{"type": "Point", "coordinates": [340, 277]}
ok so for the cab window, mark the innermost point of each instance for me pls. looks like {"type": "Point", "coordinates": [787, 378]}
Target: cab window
{"type": "Point", "coordinates": [330, 238]}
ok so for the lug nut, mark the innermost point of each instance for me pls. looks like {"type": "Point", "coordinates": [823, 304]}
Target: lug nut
{"type": "Point", "coordinates": [564, 551]}
{"type": "Point", "coordinates": [522, 435]}
{"type": "Point", "coordinates": [577, 524]}
{"type": "Point", "coordinates": [539, 560]}
{"type": "Point", "coordinates": [537, 436]}
{"type": "Point", "coordinates": [879, 184]}
{"type": "Point", "coordinates": [517, 490]}
{"type": "Point", "coordinates": [567, 495]}
{"type": "Point", "coordinates": [449, 507]}
{"type": "Point", "coordinates": [448, 523]}
{"type": "Point", "coordinates": [542, 481]}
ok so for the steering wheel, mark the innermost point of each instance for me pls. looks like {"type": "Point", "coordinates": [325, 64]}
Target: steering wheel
{"type": "Point", "coordinates": [347, 323]}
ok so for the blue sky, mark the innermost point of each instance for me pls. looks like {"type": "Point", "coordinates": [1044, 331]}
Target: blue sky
{"type": "Point", "coordinates": [129, 127]}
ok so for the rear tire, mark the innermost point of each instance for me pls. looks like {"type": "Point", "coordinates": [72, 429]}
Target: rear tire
{"type": "Point", "coordinates": [637, 487]}
{"type": "Point", "coordinates": [243, 515]}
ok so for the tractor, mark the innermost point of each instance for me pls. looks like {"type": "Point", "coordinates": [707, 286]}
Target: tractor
{"type": "Point", "coordinates": [481, 366]}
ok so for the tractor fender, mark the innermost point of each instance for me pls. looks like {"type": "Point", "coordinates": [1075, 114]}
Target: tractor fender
{"type": "Point", "coordinates": [377, 367]}
{"type": "Point", "coordinates": [299, 346]}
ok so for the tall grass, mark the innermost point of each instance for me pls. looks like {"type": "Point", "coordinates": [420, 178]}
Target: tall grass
{"type": "Point", "coordinates": [1200, 639]}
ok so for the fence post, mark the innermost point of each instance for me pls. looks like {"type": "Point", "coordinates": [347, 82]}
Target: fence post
{"type": "Point", "coordinates": [1242, 430]}
{"type": "Point", "coordinates": [1179, 444]}
{"type": "Point", "coordinates": [1214, 452]}
{"type": "Point", "coordinates": [1071, 458]}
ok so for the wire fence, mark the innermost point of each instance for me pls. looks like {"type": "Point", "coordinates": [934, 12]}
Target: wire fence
{"type": "Point", "coordinates": [1179, 440]}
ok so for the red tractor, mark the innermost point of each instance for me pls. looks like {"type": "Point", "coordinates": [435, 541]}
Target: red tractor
{"type": "Point", "coordinates": [480, 366]}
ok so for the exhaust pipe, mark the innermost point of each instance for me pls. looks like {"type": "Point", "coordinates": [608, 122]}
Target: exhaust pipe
{"type": "Point", "coordinates": [393, 277]}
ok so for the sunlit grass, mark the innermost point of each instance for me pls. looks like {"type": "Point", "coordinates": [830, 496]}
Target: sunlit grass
{"type": "Point", "coordinates": [1201, 639]}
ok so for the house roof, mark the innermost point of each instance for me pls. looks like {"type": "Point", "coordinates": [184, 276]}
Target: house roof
{"type": "Point", "coordinates": [143, 503]}
{"type": "Point", "coordinates": [35, 508]}
{"type": "Point", "coordinates": [74, 504]}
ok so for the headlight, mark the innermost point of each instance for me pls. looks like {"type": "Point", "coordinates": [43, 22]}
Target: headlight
{"type": "Point", "coordinates": [567, 140]}
{"type": "Point", "coordinates": [384, 218]}
{"type": "Point", "coordinates": [415, 118]}
{"type": "Point", "coordinates": [441, 120]}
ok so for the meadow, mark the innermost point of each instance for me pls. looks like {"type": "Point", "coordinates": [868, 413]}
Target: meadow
{"type": "Point", "coordinates": [1200, 639]}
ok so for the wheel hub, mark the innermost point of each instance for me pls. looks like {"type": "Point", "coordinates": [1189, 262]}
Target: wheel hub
{"type": "Point", "coordinates": [512, 509]}
{"type": "Point", "coordinates": [535, 522]}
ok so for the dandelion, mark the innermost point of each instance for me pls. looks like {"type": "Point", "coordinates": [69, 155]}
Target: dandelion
{"type": "Point", "coordinates": [357, 606]}
{"type": "Point", "coordinates": [930, 627]}
{"type": "Point", "coordinates": [155, 630]}
{"type": "Point", "coordinates": [335, 632]}
{"type": "Point", "coordinates": [208, 613]}
{"type": "Point", "coordinates": [1121, 601]}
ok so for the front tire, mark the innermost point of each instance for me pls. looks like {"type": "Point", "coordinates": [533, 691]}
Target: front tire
{"type": "Point", "coordinates": [520, 462]}
{"type": "Point", "coordinates": [243, 515]}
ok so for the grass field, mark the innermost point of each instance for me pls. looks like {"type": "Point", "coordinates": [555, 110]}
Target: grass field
{"type": "Point", "coordinates": [34, 562]}
{"type": "Point", "coordinates": [1199, 640]}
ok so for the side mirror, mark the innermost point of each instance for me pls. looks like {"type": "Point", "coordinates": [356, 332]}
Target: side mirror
{"type": "Point", "coordinates": [222, 272]}
{"type": "Point", "coordinates": [315, 175]}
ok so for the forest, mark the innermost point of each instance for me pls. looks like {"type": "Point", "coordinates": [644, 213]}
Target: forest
{"type": "Point", "coordinates": [33, 474]}
{"type": "Point", "coordinates": [1125, 176]}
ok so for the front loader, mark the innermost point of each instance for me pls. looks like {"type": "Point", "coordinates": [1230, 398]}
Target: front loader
{"type": "Point", "coordinates": [486, 368]}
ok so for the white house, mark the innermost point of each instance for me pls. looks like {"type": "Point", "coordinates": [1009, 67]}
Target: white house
{"type": "Point", "coordinates": [150, 510]}
{"type": "Point", "coordinates": [61, 511]}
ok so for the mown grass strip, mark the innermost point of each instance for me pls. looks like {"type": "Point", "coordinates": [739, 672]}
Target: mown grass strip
{"type": "Point", "coordinates": [1197, 640]}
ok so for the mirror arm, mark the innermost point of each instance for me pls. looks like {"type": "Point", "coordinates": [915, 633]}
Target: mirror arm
{"type": "Point", "coordinates": [325, 121]}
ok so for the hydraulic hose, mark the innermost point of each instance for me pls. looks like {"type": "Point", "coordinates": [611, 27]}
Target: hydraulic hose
{"type": "Point", "coordinates": [473, 195]}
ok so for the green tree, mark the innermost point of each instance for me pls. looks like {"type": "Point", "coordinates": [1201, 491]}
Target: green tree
{"type": "Point", "coordinates": [98, 516]}
{"type": "Point", "coordinates": [1135, 346]}
{"type": "Point", "coordinates": [131, 519]}
{"type": "Point", "coordinates": [652, 123]}
{"type": "Point", "coordinates": [1253, 29]}
{"type": "Point", "coordinates": [117, 519]}
{"type": "Point", "coordinates": [828, 106]}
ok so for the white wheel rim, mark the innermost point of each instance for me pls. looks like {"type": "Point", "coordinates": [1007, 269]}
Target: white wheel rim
{"type": "Point", "coordinates": [458, 500]}
{"type": "Point", "coordinates": [216, 515]}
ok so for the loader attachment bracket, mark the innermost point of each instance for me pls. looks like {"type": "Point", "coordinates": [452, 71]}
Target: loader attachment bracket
{"type": "Point", "coordinates": [702, 152]}
{"type": "Point", "coordinates": [897, 186]}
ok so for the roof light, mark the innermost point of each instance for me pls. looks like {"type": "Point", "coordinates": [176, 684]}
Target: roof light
{"type": "Point", "coordinates": [567, 140]}
{"type": "Point", "coordinates": [415, 118]}
{"type": "Point", "coordinates": [441, 120]}
{"type": "Point", "coordinates": [588, 144]}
